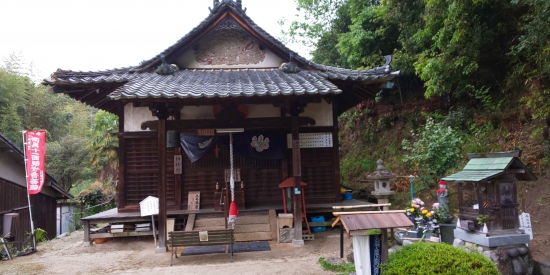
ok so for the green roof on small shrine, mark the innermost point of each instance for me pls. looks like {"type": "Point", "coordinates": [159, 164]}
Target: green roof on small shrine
{"type": "Point", "coordinates": [473, 175]}
{"type": "Point", "coordinates": [480, 169]}
{"type": "Point", "coordinates": [488, 163]}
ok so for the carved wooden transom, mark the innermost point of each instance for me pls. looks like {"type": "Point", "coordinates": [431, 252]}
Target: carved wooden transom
{"type": "Point", "coordinates": [229, 46]}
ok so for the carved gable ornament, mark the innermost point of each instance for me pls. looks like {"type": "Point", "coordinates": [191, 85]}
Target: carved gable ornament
{"type": "Point", "coordinates": [260, 143]}
{"type": "Point", "coordinates": [229, 45]}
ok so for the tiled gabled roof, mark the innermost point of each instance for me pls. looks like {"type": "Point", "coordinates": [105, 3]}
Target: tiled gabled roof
{"type": "Point", "coordinates": [214, 15]}
{"type": "Point", "coordinates": [222, 83]}
{"type": "Point", "coordinates": [141, 81]}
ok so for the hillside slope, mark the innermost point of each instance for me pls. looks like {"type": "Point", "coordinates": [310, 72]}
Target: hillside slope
{"type": "Point", "coordinates": [372, 131]}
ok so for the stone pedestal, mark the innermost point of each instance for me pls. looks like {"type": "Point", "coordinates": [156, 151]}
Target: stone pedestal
{"type": "Point", "coordinates": [492, 241]}
{"type": "Point", "coordinates": [286, 235]}
{"type": "Point", "coordinates": [383, 197]}
{"type": "Point", "coordinates": [509, 252]}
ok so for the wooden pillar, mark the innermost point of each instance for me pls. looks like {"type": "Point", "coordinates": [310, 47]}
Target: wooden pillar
{"type": "Point", "coordinates": [121, 190]}
{"type": "Point", "coordinates": [297, 174]}
{"type": "Point", "coordinates": [384, 245]}
{"type": "Point", "coordinates": [87, 241]}
{"type": "Point", "coordinates": [162, 186]}
{"type": "Point", "coordinates": [335, 150]}
{"type": "Point", "coordinates": [60, 218]}
{"type": "Point", "coordinates": [177, 179]}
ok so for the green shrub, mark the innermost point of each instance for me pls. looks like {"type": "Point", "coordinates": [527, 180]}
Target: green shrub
{"type": "Point", "coordinates": [347, 268]}
{"type": "Point", "coordinates": [459, 119]}
{"type": "Point", "coordinates": [433, 150]}
{"type": "Point", "coordinates": [436, 258]}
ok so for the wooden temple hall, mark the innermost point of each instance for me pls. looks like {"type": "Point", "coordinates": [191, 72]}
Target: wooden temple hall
{"type": "Point", "coordinates": [226, 82]}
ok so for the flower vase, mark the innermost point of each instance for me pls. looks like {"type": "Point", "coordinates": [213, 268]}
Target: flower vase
{"type": "Point", "coordinates": [485, 229]}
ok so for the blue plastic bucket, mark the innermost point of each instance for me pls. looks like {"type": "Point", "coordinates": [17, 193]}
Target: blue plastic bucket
{"type": "Point", "coordinates": [318, 228]}
{"type": "Point", "coordinates": [348, 196]}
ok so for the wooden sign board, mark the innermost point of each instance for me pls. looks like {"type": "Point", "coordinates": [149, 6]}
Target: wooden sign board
{"type": "Point", "coordinates": [177, 165]}
{"type": "Point", "coordinates": [194, 200]}
{"type": "Point", "coordinates": [149, 206]}
{"type": "Point", "coordinates": [236, 175]}
{"type": "Point", "coordinates": [205, 132]}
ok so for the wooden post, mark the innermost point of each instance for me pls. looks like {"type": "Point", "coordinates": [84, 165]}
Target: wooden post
{"type": "Point", "coordinates": [297, 174]}
{"type": "Point", "coordinates": [87, 241]}
{"type": "Point", "coordinates": [121, 190]}
{"type": "Point", "coordinates": [335, 150]}
{"type": "Point", "coordinates": [162, 185]}
{"type": "Point", "coordinates": [177, 179]}
{"type": "Point", "coordinates": [61, 218]}
{"type": "Point", "coordinates": [384, 245]}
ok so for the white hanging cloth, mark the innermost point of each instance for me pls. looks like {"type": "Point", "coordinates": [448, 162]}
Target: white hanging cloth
{"type": "Point", "coordinates": [361, 255]}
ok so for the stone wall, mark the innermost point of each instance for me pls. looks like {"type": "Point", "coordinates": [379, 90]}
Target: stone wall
{"type": "Point", "coordinates": [510, 259]}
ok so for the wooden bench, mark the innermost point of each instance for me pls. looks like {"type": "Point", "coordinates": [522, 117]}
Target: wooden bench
{"type": "Point", "coordinates": [192, 238]}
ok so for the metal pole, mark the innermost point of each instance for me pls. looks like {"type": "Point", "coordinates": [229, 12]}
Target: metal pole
{"type": "Point", "coordinates": [154, 229]}
{"type": "Point", "coordinates": [341, 241]}
{"type": "Point", "coordinates": [5, 248]}
{"type": "Point", "coordinates": [341, 237]}
{"type": "Point", "coordinates": [411, 177]}
{"type": "Point", "coordinates": [28, 196]}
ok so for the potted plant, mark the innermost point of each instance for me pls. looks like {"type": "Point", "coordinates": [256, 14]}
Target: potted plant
{"type": "Point", "coordinates": [482, 220]}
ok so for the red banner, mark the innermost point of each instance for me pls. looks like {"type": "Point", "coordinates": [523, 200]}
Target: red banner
{"type": "Point", "coordinates": [35, 153]}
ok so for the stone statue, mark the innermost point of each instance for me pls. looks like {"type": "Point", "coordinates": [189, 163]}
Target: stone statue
{"type": "Point", "coordinates": [442, 193]}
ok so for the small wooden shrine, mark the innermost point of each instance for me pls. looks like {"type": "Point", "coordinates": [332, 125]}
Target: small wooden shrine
{"type": "Point", "coordinates": [487, 186]}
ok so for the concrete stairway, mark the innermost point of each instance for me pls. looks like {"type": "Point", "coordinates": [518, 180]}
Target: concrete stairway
{"type": "Point", "coordinates": [251, 226]}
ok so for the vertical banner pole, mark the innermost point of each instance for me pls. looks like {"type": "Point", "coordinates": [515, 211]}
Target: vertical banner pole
{"type": "Point", "coordinates": [412, 186]}
{"type": "Point", "coordinates": [28, 195]}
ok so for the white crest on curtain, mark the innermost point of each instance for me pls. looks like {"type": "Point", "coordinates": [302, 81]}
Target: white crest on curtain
{"type": "Point", "coordinates": [260, 143]}
{"type": "Point", "coordinates": [205, 144]}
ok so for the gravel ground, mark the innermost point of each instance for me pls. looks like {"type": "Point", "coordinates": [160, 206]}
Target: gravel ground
{"type": "Point", "coordinates": [137, 256]}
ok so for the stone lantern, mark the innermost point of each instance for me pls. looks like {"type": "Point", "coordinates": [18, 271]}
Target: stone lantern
{"type": "Point", "coordinates": [381, 178]}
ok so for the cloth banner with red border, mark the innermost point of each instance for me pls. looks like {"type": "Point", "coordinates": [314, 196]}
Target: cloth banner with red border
{"type": "Point", "coordinates": [35, 152]}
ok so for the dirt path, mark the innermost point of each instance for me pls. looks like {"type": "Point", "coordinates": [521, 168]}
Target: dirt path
{"type": "Point", "coordinates": [137, 256]}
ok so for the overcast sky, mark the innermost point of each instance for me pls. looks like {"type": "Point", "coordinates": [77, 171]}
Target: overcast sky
{"type": "Point", "coordinates": [90, 35]}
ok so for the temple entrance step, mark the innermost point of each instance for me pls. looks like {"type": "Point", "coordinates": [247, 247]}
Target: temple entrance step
{"type": "Point", "coordinates": [251, 226]}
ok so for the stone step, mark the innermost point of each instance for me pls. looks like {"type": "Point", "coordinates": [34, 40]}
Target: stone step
{"type": "Point", "coordinates": [243, 228]}
{"type": "Point", "coordinates": [250, 237]}
{"type": "Point", "coordinates": [242, 220]}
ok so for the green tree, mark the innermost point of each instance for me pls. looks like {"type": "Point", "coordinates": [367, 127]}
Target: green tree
{"type": "Point", "coordinates": [103, 141]}
{"type": "Point", "coordinates": [15, 90]}
{"type": "Point", "coordinates": [531, 57]}
{"type": "Point", "coordinates": [11, 124]}
{"type": "Point", "coordinates": [68, 161]}
{"type": "Point", "coordinates": [371, 35]}
{"type": "Point", "coordinates": [46, 110]}
{"type": "Point", "coordinates": [464, 46]}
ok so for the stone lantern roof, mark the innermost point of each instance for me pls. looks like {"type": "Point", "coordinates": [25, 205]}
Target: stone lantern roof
{"type": "Point", "coordinates": [380, 173]}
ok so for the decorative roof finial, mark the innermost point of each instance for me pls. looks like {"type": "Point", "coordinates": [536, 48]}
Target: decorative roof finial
{"type": "Point", "coordinates": [164, 68]}
{"type": "Point", "coordinates": [289, 68]}
{"type": "Point", "coordinates": [237, 3]}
